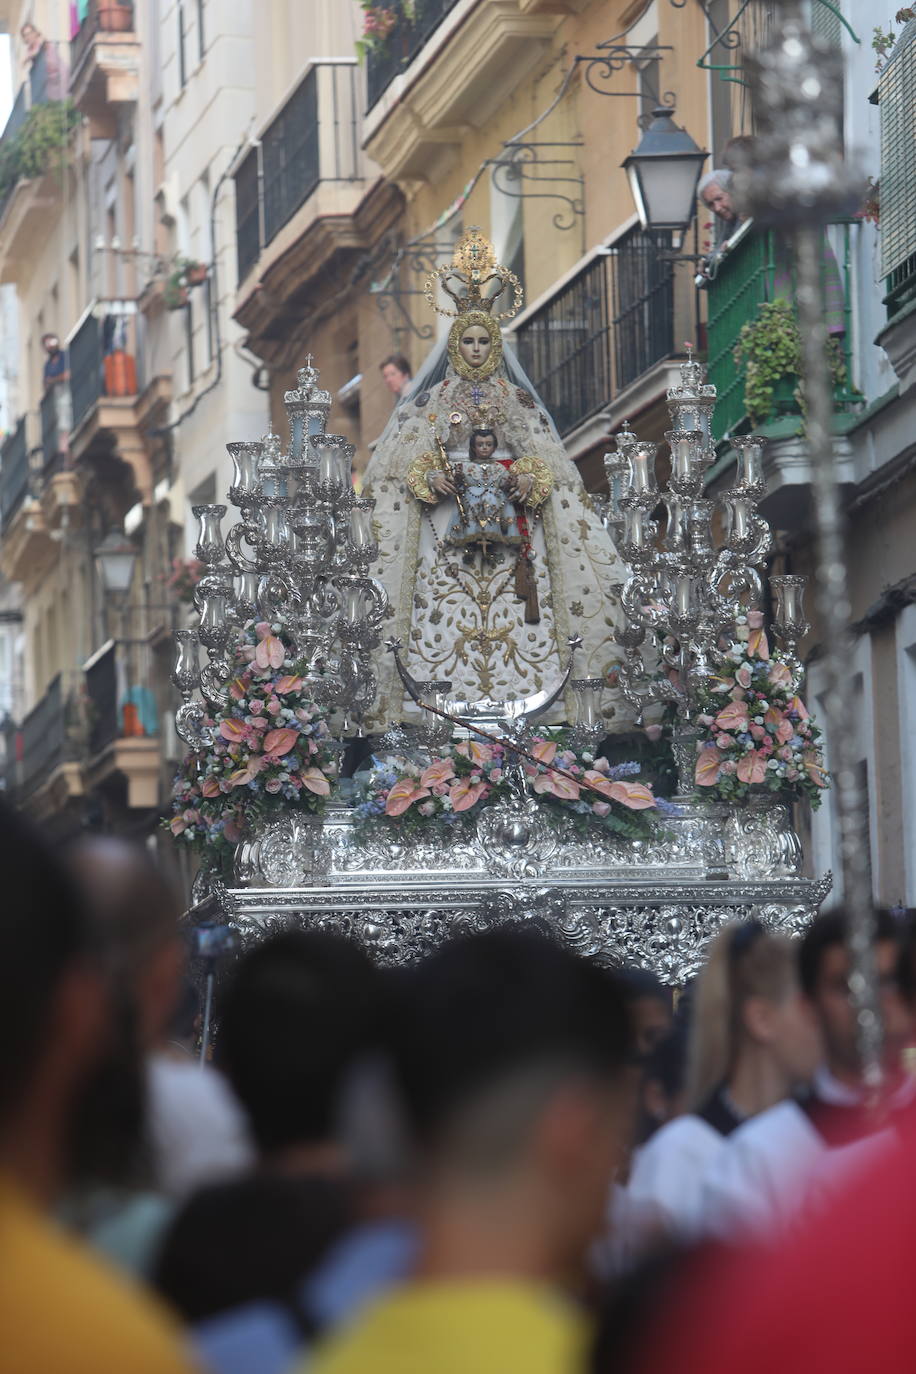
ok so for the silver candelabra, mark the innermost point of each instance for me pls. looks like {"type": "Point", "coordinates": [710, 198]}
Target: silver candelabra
{"type": "Point", "coordinates": [696, 562]}
{"type": "Point", "coordinates": [299, 556]}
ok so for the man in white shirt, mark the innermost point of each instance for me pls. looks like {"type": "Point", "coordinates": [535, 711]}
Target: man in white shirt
{"type": "Point", "coordinates": [784, 1163]}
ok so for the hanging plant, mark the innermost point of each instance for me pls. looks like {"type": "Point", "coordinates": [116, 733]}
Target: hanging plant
{"type": "Point", "coordinates": [31, 152]}
{"type": "Point", "coordinates": [380, 22]}
{"type": "Point", "coordinates": [769, 351]}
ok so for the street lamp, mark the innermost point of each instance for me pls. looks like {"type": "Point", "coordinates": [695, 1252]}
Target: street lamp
{"type": "Point", "coordinates": [115, 559]}
{"type": "Point", "coordinates": [664, 172]}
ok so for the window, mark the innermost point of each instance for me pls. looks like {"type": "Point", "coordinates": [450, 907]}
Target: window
{"type": "Point", "coordinates": [188, 312]}
{"type": "Point", "coordinates": [201, 32]}
{"type": "Point", "coordinates": [897, 104]}
{"type": "Point", "coordinates": [182, 55]}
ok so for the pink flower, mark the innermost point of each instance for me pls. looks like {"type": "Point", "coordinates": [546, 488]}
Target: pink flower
{"type": "Point", "coordinates": [544, 751]}
{"type": "Point", "coordinates": [766, 746]}
{"type": "Point", "coordinates": [464, 794]}
{"type": "Point", "coordinates": [273, 785]}
{"type": "Point", "coordinates": [601, 808]}
{"type": "Point", "coordinates": [705, 720]}
{"type": "Point", "coordinates": [757, 732]}
{"type": "Point", "coordinates": [779, 675]}
{"type": "Point", "coordinates": [232, 730]}
{"type": "Point", "coordinates": [653, 732]}
{"type": "Point", "coordinates": [555, 785]}
{"type": "Point", "coordinates": [289, 683]}
{"type": "Point", "coordinates": [752, 768]}
{"type": "Point", "coordinates": [438, 773]}
{"type": "Point", "coordinates": [757, 644]}
{"type": "Point", "coordinates": [270, 653]}
{"type": "Point", "coordinates": [729, 766]}
{"type": "Point", "coordinates": [475, 751]}
{"type": "Point", "coordinates": [260, 723]}
{"type": "Point", "coordinates": [784, 731]}
{"type": "Point", "coordinates": [237, 688]}
{"type": "Point", "coordinates": [403, 795]}
{"type": "Point", "coordinates": [743, 677]}
{"type": "Point", "coordinates": [785, 753]}
{"type": "Point", "coordinates": [255, 707]}
{"type": "Point", "coordinates": [635, 795]}
{"type": "Point", "coordinates": [315, 781]}
{"type": "Point", "coordinates": [274, 705]}
{"type": "Point", "coordinates": [262, 629]}
{"type": "Point", "coordinates": [755, 620]}
{"type": "Point", "coordinates": [427, 808]}
{"type": "Point", "coordinates": [814, 767]}
{"type": "Point", "coordinates": [733, 716]}
{"type": "Point", "coordinates": [602, 765]}
{"type": "Point", "coordinates": [708, 768]}
{"type": "Point", "coordinates": [211, 787]}
{"type": "Point", "coordinates": [799, 707]}
{"type": "Point", "coordinates": [279, 742]}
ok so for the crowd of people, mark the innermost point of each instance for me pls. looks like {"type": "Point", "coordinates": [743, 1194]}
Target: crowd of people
{"type": "Point", "coordinates": [505, 1157]}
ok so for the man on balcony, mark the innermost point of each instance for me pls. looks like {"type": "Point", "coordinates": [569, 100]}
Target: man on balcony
{"type": "Point", "coordinates": [56, 378]}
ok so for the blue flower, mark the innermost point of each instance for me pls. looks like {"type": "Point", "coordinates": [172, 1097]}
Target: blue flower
{"type": "Point", "coordinates": [623, 770]}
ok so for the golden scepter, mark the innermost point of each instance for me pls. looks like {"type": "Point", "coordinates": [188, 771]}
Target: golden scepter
{"type": "Point", "coordinates": [453, 478]}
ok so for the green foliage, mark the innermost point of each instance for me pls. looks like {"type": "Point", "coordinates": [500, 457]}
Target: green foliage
{"type": "Point", "coordinates": [769, 351]}
{"type": "Point", "coordinates": [32, 151]}
{"type": "Point", "coordinates": [883, 40]}
{"type": "Point", "coordinates": [178, 285]}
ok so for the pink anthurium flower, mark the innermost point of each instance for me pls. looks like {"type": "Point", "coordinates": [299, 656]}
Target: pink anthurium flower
{"type": "Point", "coordinates": [544, 751]}
{"type": "Point", "coordinates": [270, 653]}
{"type": "Point", "coordinates": [709, 766]}
{"type": "Point", "coordinates": [799, 707]}
{"type": "Point", "coordinates": [464, 794]}
{"type": "Point", "coordinates": [475, 751]}
{"type": "Point", "coordinates": [733, 716]}
{"type": "Point", "coordinates": [402, 795]}
{"type": "Point", "coordinates": [815, 769]}
{"type": "Point", "coordinates": [290, 683]}
{"type": "Point", "coordinates": [597, 782]}
{"type": "Point", "coordinates": [784, 731]}
{"type": "Point", "coordinates": [555, 785]}
{"type": "Point", "coordinates": [237, 688]}
{"type": "Point", "coordinates": [757, 644]}
{"type": "Point", "coordinates": [315, 781]}
{"type": "Point", "coordinates": [438, 772]}
{"type": "Point", "coordinates": [232, 730]}
{"type": "Point", "coordinates": [779, 675]}
{"type": "Point", "coordinates": [211, 787]}
{"type": "Point", "coordinates": [636, 795]}
{"type": "Point", "coordinates": [752, 768]}
{"type": "Point", "coordinates": [279, 742]}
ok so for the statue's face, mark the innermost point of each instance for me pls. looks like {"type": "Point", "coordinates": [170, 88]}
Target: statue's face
{"type": "Point", "coordinates": [484, 446]}
{"type": "Point", "coordinates": [474, 345]}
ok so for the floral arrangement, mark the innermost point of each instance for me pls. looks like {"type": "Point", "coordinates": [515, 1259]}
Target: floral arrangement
{"type": "Point", "coordinates": [379, 23]}
{"type": "Point", "coordinates": [270, 750]}
{"type": "Point", "coordinates": [470, 775]}
{"type": "Point", "coordinates": [758, 733]}
{"type": "Point", "coordinates": [184, 577]}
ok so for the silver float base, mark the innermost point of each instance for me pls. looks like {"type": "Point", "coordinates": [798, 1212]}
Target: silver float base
{"type": "Point", "coordinates": [649, 903]}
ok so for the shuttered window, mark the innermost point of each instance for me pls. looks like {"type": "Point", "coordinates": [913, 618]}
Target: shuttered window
{"type": "Point", "coordinates": [897, 102]}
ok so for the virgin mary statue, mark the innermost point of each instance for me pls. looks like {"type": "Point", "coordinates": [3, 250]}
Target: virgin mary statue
{"type": "Point", "coordinates": [489, 547]}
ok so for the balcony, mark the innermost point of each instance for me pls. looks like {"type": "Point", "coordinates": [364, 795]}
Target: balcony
{"type": "Point", "coordinates": [402, 45]}
{"type": "Point", "coordinates": [52, 743]}
{"type": "Point", "coordinates": [105, 64]}
{"type": "Point", "coordinates": [105, 388]}
{"type": "Point", "coordinates": [298, 195]}
{"type": "Point", "coordinates": [123, 738]}
{"type": "Point", "coordinates": [15, 475]}
{"type": "Point", "coordinates": [446, 73]}
{"type": "Point", "coordinates": [31, 180]}
{"type": "Point", "coordinates": [755, 271]}
{"type": "Point", "coordinates": [606, 327]}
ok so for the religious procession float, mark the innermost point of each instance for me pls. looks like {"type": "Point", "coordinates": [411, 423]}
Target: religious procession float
{"type": "Point", "coordinates": [431, 706]}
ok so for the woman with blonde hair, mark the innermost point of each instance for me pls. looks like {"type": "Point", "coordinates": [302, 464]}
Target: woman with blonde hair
{"type": "Point", "coordinates": [753, 1042]}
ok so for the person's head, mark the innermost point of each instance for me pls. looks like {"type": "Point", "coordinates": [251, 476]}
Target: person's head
{"type": "Point", "coordinates": [300, 1011]}
{"type": "Point", "coordinates": [252, 1239]}
{"type": "Point", "coordinates": [824, 966]}
{"type": "Point", "coordinates": [30, 35]}
{"type": "Point", "coordinates": [650, 1007]}
{"type": "Point", "coordinates": [135, 912]}
{"type": "Point", "coordinates": [395, 372]}
{"type": "Point", "coordinates": [51, 344]}
{"type": "Point", "coordinates": [739, 152]}
{"type": "Point", "coordinates": [53, 1007]}
{"type": "Point", "coordinates": [749, 1001]}
{"type": "Point", "coordinates": [512, 1057]}
{"type": "Point", "coordinates": [715, 193]}
{"type": "Point", "coordinates": [482, 444]}
{"type": "Point", "coordinates": [664, 1079]}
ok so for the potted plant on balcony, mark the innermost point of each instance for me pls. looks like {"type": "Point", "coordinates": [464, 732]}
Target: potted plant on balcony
{"type": "Point", "coordinates": [380, 22]}
{"type": "Point", "coordinates": [769, 351]}
{"type": "Point", "coordinates": [187, 272]}
{"type": "Point", "coordinates": [116, 16]}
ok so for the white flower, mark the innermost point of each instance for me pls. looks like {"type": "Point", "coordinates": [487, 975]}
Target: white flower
{"type": "Point", "coordinates": [758, 720]}
{"type": "Point", "coordinates": [773, 763]}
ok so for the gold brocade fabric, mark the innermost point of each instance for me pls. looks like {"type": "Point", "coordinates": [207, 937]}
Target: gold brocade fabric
{"type": "Point", "coordinates": [543, 479]}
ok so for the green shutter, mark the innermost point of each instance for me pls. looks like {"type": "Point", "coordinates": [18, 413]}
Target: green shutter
{"type": "Point", "coordinates": [825, 22]}
{"type": "Point", "coordinates": [897, 103]}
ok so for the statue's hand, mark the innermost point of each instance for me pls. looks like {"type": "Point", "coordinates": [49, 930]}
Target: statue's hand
{"type": "Point", "coordinates": [440, 484]}
{"type": "Point", "coordinates": [519, 486]}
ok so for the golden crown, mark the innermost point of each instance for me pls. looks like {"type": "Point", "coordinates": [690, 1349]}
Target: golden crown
{"type": "Point", "coordinates": [474, 268]}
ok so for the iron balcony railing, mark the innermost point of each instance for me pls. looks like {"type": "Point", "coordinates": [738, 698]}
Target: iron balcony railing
{"type": "Point", "coordinates": [47, 82]}
{"type": "Point", "coordinates": [15, 474]}
{"type": "Point", "coordinates": [315, 137]}
{"type": "Point", "coordinates": [102, 16]}
{"type": "Point", "coordinates": [54, 411]}
{"type": "Point", "coordinates": [402, 43]}
{"type": "Point", "coordinates": [103, 356]}
{"type": "Point", "coordinates": [901, 287]}
{"type": "Point", "coordinates": [758, 269]}
{"type": "Point", "coordinates": [603, 329]}
{"type": "Point", "coordinates": [51, 735]}
{"type": "Point", "coordinates": [122, 702]}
